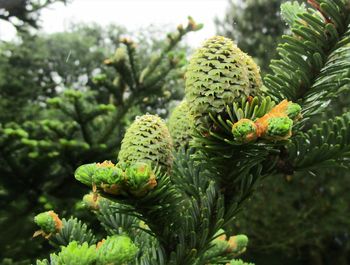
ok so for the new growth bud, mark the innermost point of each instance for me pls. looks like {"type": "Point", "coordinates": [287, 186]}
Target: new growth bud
{"type": "Point", "coordinates": [121, 179]}
{"type": "Point", "coordinates": [238, 244]}
{"type": "Point", "coordinates": [49, 222]}
{"type": "Point", "coordinates": [293, 111]}
{"type": "Point", "coordinates": [119, 58]}
{"type": "Point", "coordinates": [108, 177]}
{"type": "Point", "coordinates": [278, 128]}
{"type": "Point", "coordinates": [192, 25]}
{"type": "Point", "coordinates": [277, 124]}
{"type": "Point", "coordinates": [92, 201]}
{"type": "Point", "coordinates": [232, 247]}
{"type": "Point", "coordinates": [75, 254]}
{"type": "Point", "coordinates": [116, 250]}
{"type": "Point", "coordinates": [141, 179]}
{"type": "Point", "coordinates": [244, 131]}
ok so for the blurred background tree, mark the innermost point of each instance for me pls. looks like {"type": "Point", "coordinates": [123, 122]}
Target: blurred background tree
{"type": "Point", "coordinates": [41, 66]}
{"type": "Point", "coordinates": [24, 13]}
{"type": "Point", "coordinates": [60, 102]}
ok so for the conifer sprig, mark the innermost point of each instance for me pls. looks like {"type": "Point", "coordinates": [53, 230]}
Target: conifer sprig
{"type": "Point", "coordinates": [309, 70]}
{"type": "Point", "coordinates": [325, 145]}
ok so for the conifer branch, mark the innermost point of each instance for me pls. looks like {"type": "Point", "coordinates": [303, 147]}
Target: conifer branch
{"type": "Point", "coordinates": [306, 55]}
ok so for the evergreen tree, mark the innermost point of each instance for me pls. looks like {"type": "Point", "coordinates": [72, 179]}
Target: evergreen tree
{"type": "Point", "coordinates": [40, 153]}
{"type": "Point", "coordinates": [241, 129]}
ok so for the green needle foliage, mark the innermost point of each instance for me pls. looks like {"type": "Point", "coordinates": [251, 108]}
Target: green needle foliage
{"type": "Point", "coordinates": [306, 206]}
{"type": "Point", "coordinates": [181, 207]}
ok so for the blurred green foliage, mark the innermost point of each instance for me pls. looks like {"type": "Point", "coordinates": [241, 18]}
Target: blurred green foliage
{"type": "Point", "coordinates": [24, 13]}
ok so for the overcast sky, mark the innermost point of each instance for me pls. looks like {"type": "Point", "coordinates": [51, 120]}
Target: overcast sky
{"type": "Point", "coordinates": [133, 14]}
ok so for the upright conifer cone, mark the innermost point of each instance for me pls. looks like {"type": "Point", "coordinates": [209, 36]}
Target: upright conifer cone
{"type": "Point", "coordinates": [219, 74]}
{"type": "Point", "coordinates": [181, 125]}
{"type": "Point", "coordinates": [147, 140]}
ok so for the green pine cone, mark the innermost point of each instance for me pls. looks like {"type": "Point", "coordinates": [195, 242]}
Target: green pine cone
{"type": "Point", "coordinates": [219, 74]}
{"type": "Point", "coordinates": [48, 222]}
{"type": "Point", "coordinates": [75, 254]}
{"type": "Point", "coordinates": [147, 140]}
{"type": "Point", "coordinates": [181, 125]}
{"type": "Point", "coordinates": [255, 82]}
{"type": "Point", "coordinates": [116, 250]}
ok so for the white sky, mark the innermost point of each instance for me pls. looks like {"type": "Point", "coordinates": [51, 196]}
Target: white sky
{"type": "Point", "coordinates": [133, 14]}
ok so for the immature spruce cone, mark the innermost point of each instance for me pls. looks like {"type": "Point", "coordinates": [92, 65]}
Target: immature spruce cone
{"type": "Point", "coordinates": [181, 125]}
{"type": "Point", "coordinates": [147, 140]}
{"type": "Point", "coordinates": [219, 74]}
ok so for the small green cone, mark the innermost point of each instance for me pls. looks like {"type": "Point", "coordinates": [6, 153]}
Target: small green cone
{"type": "Point", "coordinates": [147, 140]}
{"type": "Point", "coordinates": [218, 74]}
{"type": "Point", "coordinates": [181, 125]}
